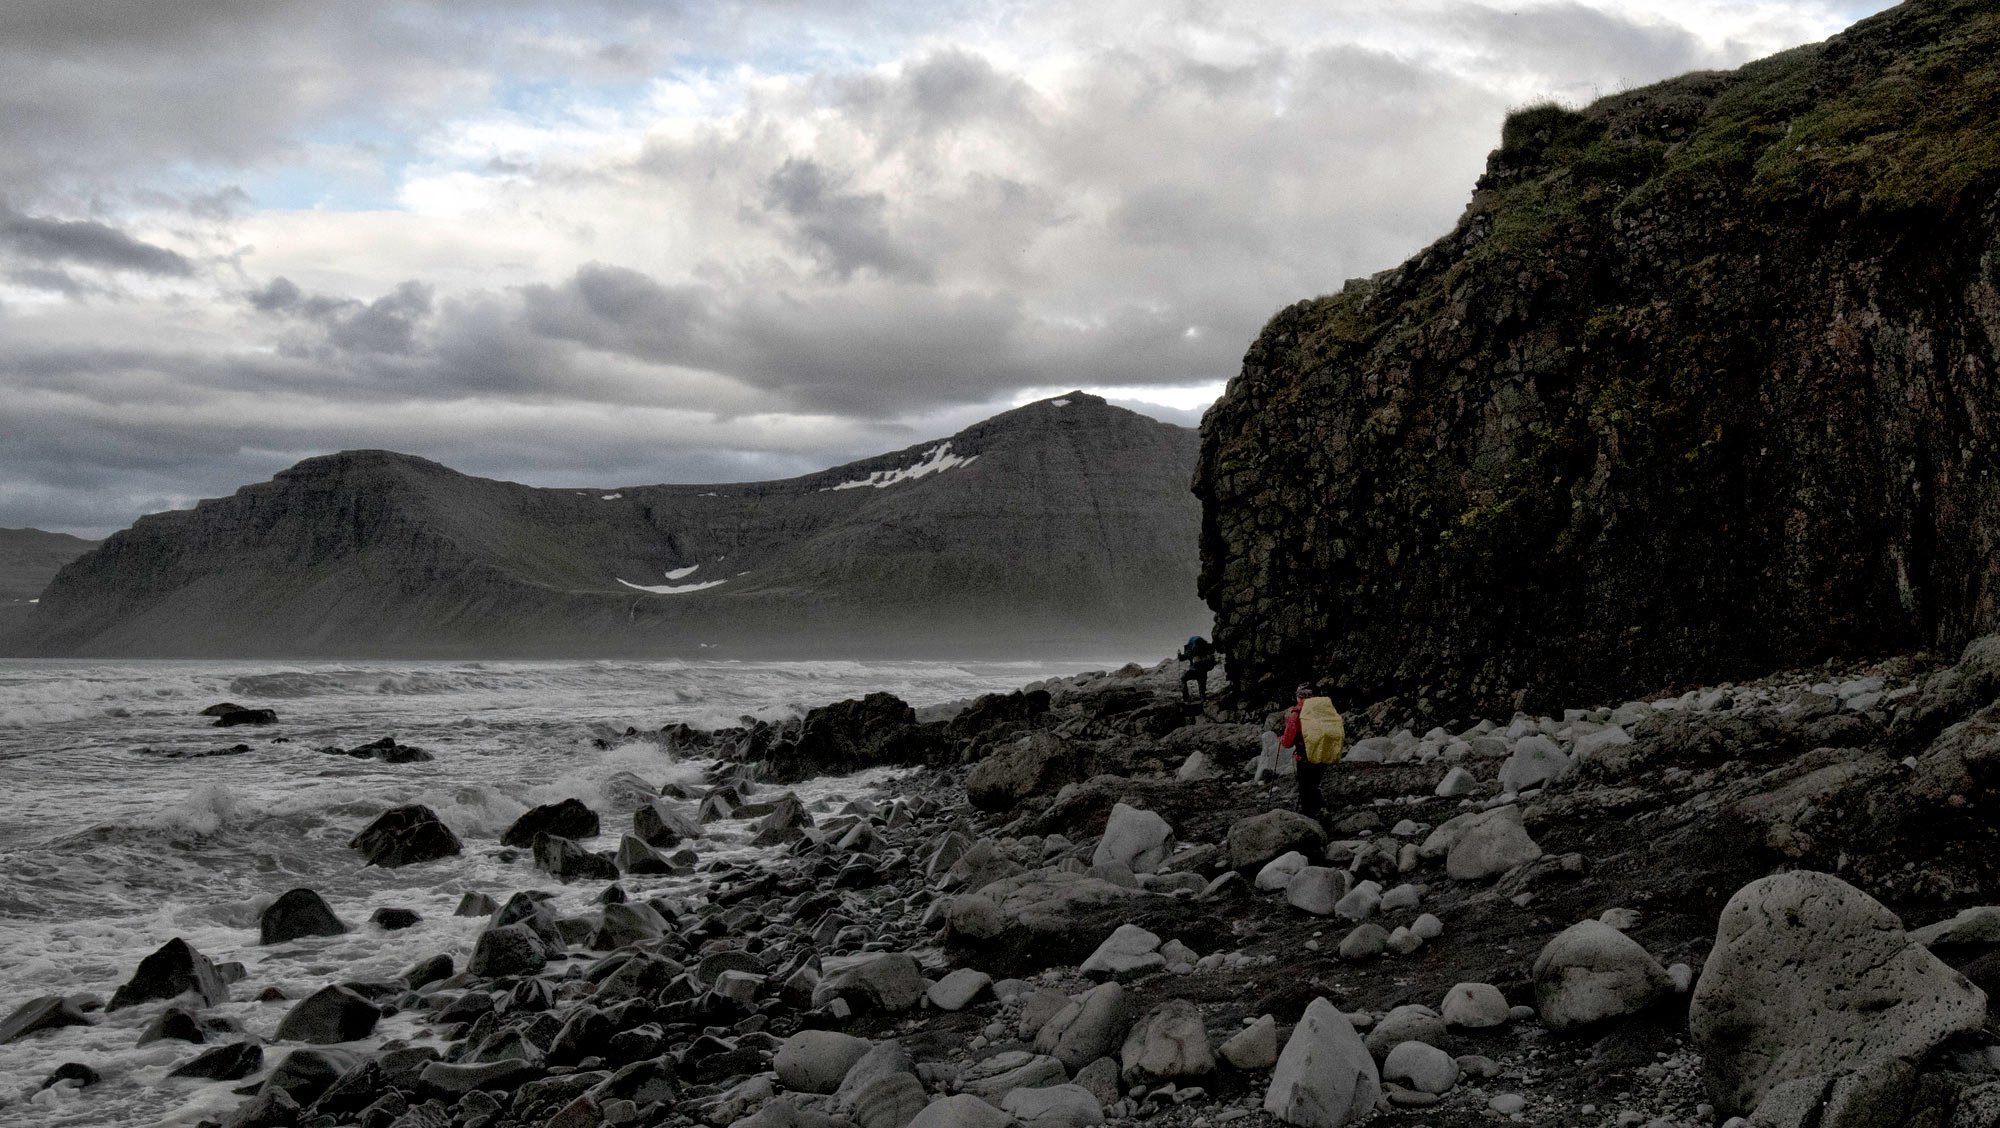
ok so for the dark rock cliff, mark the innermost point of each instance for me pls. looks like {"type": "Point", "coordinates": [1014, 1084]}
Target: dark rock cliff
{"type": "Point", "coordinates": [1702, 383]}
{"type": "Point", "coordinates": [1060, 526]}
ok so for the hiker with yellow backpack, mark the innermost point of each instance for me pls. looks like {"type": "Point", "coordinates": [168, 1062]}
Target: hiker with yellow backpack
{"type": "Point", "coordinates": [1317, 737]}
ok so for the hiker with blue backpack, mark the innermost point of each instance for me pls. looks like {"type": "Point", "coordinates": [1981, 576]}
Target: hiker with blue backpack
{"type": "Point", "coordinates": [1199, 654]}
{"type": "Point", "coordinates": [1317, 737]}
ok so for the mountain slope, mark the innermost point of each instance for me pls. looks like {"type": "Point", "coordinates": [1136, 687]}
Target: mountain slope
{"type": "Point", "coordinates": [1702, 383]}
{"type": "Point", "coordinates": [1062, 525]}
{"type": "Point", "coordinates": [30, 558]}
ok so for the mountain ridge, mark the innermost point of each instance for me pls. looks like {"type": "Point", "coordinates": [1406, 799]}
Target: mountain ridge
{"type": "Point", "coordinates": [1063, 524]}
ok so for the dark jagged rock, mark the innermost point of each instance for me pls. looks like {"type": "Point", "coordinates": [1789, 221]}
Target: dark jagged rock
{"type": "Point", "coordinates": [45, 1013]}
{"type": "Point", "coordinates": [173, 1023]}
{"type": "Point", "coordinates": [175, 968]}
{"type": "Point", "coordinates": [221, 709]}
{"type": "Point", "coordinates": [389, 918]}
{"type": "Point", "coordinates": [568, 819]}
{"type": "Point", "coordinates": [298, 913]}
{"type": "Point", "coordinates": [659, 824]}
{"type": "Point", "coordinates": [1064, 524]}
{"type": "Point", "coordinates": [1561, 454]}
{"type": "Point", "coordinates": [246, 717]}
{"type": "Point", "coordinates": [429, 971]}
{"type": "Point", "coordinates": [850, 735]}
{"type": "Point", "coordinates": [334, 1013]}
{"type": "Point", "coordinates": [1039, 765]}
{"type": "Point", "coordinates": [512, 949]}
{"type": "Point", "coordinates": [566, 861]}
{"type": "Point", "coordinates": [271, 1109]}
{"type": "Point", "coordinates": [306, 1073]}
{"type": "Point", "coordinates": [223, 1063]}
{"type": "Point", "coordinates": [385, 750]}
{"type": "Point", "coordinates": [402, 836]}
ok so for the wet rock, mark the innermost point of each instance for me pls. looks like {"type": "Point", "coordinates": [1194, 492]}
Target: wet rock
{"type": "Point", "coordinates": [628, 923]}
{"type": "Point", "coordinates": [429, 970]}
{"type": "Point", "coordinates": [459, 1078]}
{"type": "Point", "coordinates": [1091, 1027]}
{"type": "Point", "coordinates": [389, 752]}
{"type": "Point", "coordinates": [567, 819]}
{"type": "Point", "coordinates": [246, 717]}
{"type": "Point", "coordinates": [474, 905]}
{"type": "Point", "coordinates": [222, 1063]}
{"type": "Point", "coordinates": [1591, 972]}
{"type": "Point", "coordinates": [1167, 1044]}
{"type": "Point", "coordinates": [888, 981]}
{"type": "Point", "coordinates": [1809, 976]}
{"type": "Point", "coordinates": [662, 824]}
{"type": "Point", "coordinates": [402, 836]}
{"type": "Point", "coordinates": [512, 949]}
{"type": "Point", "coordinates": [174, 968]}
{"type": "Point", "coordinates": [1255, 1047]}
{"type": "Point", "coordinates": [295, 914]}
{"type": "Point", "coordinates": [564, 860]}
{"type": "Point", "coordinates": [1139, 840]}
{"type": "Point", "coordinates": [304, 1074]}
{"type": "Point", "coordinates": [1325, 1077]}
{"type": "Point", "coordinates": [46, 1012]}
{"type": "Point", "coordinates": [1260, 838]}
{"type": "Point", "coordinates": [635, 857]}
{"type": "Point", "coordinates": [1490, 845]}
{"type": "Point", "coordinates": [390, 918]}
{"type": "Point", "coordinates": [173, 1024]}
{"type": "Point", "coordinates": [1053, 1106]}
{"type": "Point", "coordinates": [273, 1109]}
{"type": "Point", "coordinates": [1422, 1067]}
{"type": "Point", "coordinates": [331, 1014]}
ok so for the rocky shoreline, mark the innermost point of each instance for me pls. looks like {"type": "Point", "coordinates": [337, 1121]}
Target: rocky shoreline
{"type": "Point", "coordinates": [1086, 902]}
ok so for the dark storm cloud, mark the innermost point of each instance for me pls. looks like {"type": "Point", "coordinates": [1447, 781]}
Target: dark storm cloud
{"type": "Point", "coordinates": [83, 242]}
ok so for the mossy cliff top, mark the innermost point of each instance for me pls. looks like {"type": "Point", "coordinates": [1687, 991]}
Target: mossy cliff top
{"type": "Point", "coordinates": [1701, 382]}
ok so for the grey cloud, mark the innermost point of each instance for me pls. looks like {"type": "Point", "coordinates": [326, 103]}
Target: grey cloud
{"type": "Point", "coordinates": [1571, 39]}
{"type": "Point", "coordinates": [843, 231]}
{"type": "Point", "coordinates": [85, 242]}
{"type": "Point", "coordinates": [386, 325]}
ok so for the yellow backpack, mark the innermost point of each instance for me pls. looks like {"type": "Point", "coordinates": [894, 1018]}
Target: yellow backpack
{"type": "Point", "coordinates": [1322, 731]}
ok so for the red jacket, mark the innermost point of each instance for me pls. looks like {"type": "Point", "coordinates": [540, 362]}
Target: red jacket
{"type": "Point", "coordinates": [1291, 738]}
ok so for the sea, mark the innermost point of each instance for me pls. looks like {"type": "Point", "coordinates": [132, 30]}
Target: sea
{"type": "Point", "coordinates": [117, 832]}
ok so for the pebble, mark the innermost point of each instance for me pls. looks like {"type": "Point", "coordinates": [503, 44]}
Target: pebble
{"type": "Point", "coordinates": [1507, 1104]}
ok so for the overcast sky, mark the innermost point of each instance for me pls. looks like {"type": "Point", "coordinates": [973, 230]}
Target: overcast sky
{"type": "Point", "coordinates": [606, 242]}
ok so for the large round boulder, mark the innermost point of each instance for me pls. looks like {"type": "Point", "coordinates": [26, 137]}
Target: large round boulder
{"type": "Point", "coordinates": [1037, 764]}
{"type": "Point", "coordinates": [1591, 972]}
{"type": "Point", "coordinates": [1139, 840]}
{"type": "Point", "coordinates": [1490, 845]}
{"type": "Point", "coordinates": [1260, 838]}
{"type": "Point", "coordinates": [1811, 976]}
